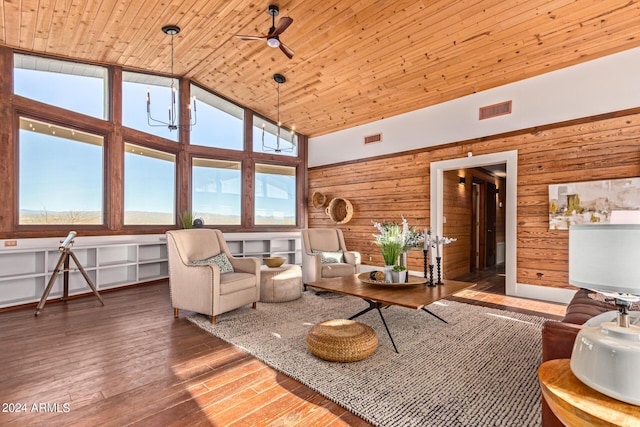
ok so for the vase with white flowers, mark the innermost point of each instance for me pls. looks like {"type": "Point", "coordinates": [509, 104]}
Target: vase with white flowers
{"type": "Point", "coordinates": [390, 241]}
{"type": "Point", "coordinates": [394, 241]}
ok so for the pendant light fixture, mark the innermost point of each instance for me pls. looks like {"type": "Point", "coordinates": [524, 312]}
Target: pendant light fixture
{"type": "Point", "coordinates": [174, 120]}
{"type": "Point", "coordinates": [279, 79]}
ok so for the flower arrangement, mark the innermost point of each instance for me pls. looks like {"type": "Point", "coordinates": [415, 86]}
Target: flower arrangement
{"type": "Point", "coordinates": [394, 239]}
{"type": "Point", "coordinates": [390, 241]}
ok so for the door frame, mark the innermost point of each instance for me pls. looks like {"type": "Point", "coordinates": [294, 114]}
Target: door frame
{"type": "Point", "coordinates": [510, 158]}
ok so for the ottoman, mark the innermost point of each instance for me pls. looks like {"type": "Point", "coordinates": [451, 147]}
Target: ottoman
{"type": "Point", "coordinates": [280, 284]}
{"type": "Point", "coordinates": [341, 340]}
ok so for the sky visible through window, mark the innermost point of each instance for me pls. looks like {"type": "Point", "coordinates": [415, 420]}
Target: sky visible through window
{"type": "Point", "coordinates": [59, 174]}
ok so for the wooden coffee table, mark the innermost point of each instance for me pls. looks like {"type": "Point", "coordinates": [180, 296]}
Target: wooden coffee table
{"type": "Point", "coordinates": [416, 297]}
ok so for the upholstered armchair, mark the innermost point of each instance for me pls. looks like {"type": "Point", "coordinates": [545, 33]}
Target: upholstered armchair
{"type": "Point", "coordinates": [197, 277]}
{"type": "Point", "coordinates": [324, 255]}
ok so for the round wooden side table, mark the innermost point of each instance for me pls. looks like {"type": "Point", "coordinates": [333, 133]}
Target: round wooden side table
{"type": "Point", "coordinates": [577, 404]}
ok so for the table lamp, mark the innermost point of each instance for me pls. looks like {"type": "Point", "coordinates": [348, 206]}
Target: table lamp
{"type": "Point", "coordinates": [606, 259]}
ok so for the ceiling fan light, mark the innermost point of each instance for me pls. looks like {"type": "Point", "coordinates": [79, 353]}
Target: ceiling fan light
{"type": "Point", "coordinates": [273, 42]}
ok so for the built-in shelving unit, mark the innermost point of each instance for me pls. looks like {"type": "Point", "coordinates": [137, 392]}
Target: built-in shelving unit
{"type": "Point", "coordinates": [262, 245]}
{"type": "Point", "coordinates": [26, 265]}
{"type": "Point", "coordinates": [109, 261]}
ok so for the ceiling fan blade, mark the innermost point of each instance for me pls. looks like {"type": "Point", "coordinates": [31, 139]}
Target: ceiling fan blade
{"type": "Point", "coordinates": [286, 50]}
{"type": "Point", "coordinates": [251, 37]}
{"type": "Point", "coordinates": [283, 24]}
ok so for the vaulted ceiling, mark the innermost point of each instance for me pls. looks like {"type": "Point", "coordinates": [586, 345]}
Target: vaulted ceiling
{"type": "Point", "coordinates": [355, 61]}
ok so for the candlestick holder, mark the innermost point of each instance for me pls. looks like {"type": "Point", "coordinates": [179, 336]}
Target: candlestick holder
{"type": "Point", "coordinates": [424, 254]}
{"type": "Point", "coordinates": [431, 275]}
{"type": "Point", "coordinates": [439, 282]}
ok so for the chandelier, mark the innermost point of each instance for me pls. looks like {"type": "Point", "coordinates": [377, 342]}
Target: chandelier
{"type": "Point", "coordinates": [279, 78]}
{"type": "Point", "coordinates": [174, 121]}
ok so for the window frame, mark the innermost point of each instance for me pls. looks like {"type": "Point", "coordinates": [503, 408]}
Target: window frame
{"type": "Point", "coordinates": [175, 184]}
{"type": "Point", "coordinates": [115, 135]}
{"type": "Point", "coordinates": [105, 182]}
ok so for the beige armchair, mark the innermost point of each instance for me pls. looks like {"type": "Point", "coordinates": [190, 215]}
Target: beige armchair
{"type": "Point", "coordinates": [202, 288]}
{"type": "Point", "coordinates": [326, 240]}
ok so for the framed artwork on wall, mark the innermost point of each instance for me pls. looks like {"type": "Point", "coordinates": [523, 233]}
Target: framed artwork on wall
{"type": "Point", "coordinates": [591, 201]}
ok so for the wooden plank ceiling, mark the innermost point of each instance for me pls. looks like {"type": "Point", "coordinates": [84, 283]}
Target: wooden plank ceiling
{"type": "Point", "coordinates": [355, 61]}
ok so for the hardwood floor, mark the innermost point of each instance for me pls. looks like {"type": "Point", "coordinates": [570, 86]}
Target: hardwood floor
{"type": "Point", "coordinates": [490, 291]}
{"type": "Point", "coordinates": [131, 363]}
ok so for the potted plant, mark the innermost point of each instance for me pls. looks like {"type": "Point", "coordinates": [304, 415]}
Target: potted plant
{"type": "Point", "coordinates": [399, 274]}
{"type": "Point", "coordinates": [390, 242]}
{"type": "Point", "coordinates": [186, 219]}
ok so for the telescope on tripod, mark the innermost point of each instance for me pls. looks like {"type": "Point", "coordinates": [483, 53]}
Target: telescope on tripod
{"type": "Point", "coordinates": [63, 266]}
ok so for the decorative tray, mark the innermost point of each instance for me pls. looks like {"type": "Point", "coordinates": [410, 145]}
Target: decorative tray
{"type": "Point", "coordinates": [413, 280]}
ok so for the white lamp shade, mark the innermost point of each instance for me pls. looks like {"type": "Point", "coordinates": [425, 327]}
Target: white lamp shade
{"type": "Point", "coordinates": [605, 257]}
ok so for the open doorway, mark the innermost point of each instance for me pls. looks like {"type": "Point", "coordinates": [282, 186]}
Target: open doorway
{"type": "Point", "coordinates": [473, 213]}
{"type": "Point", "coordinates": [504, 196]}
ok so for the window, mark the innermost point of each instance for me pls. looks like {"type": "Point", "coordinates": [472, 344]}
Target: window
{"type": "Point", "coordinates": [149, 186]}
{"type": "Point", "coordinates": [70, 85]}
{"type": "Point", "coordinates": [135, 88]}
{"type": "Point", "coordinates": [220, 123]}
{"type": "Point", "coordinates": [217, 191]}
{"type": "Point", "coordinates": [265, 138]}
{"type": "Point", "coordinates": [275, 191]}
{"type": "Point", "coordinates": [60, 175]}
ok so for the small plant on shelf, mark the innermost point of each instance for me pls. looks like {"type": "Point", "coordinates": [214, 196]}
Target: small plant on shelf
{"type": "Point", "coordinates": [399, 268]}
{"type": "Point", "coordinates": [186, 219]}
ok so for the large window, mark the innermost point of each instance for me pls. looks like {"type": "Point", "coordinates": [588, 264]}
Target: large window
{"type": "Point", "coordinates": [220, 123]}
{"type": "Point", "coordinates": [217, 190]}
{"type": "Point", "coordinates": [149, 186]}
{"type": "Point", "coordinates": [135, 89]}
{"type": "Point", "coordinates": [70, 85]}
{"type": "Point", "coordinates": [275, 191]}
{"type": "Point", "coordinates": [240, 171]}
{"type": "Point", "coordinates": [60, 175]}
{"type": "Point", "coordinates": [266, 139]}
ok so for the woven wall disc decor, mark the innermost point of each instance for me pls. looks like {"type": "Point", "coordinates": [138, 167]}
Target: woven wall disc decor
{"type": "Point", "coordinates": [318, 199]}
{"type": "Point", "coordinates": [340, 210]}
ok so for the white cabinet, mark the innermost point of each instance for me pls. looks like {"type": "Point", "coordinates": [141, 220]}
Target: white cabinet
{"type": "Point", "coordinates": [262, 245]}
{"type": "Point", "coordinates": [113, 261]}
{"type": "Point", "coordinates": [109, 261]}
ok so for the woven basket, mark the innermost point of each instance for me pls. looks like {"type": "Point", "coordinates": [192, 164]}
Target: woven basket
{"type": "Point", "coordinates": [318, 199]}
{"type": "Point", "coordinates": [342, 340]}
{"type": "Point", "coordinates": [340, 210]}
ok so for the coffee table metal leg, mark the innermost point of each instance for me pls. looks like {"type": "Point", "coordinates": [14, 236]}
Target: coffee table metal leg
{"type": "Point", "coordinates": [435, 315]}
{"type": "Point", "coordinates": [376, 305]}
{"type": "Point", "coordinates": [372, 305]}
{"type": "Point", "coordinates": [385, 326]}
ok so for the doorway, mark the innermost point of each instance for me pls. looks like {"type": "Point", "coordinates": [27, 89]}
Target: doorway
{"type": "Point", "coordinates": [507, 199]}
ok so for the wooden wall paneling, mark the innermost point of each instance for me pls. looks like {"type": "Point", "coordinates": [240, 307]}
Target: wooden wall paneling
{"type": "Point", "coordinates": [301, 181]}
{"type": "Point", "coordinates": [8, 160]}
{"type": "Point", "coordinates": [595, 148]}
{"type": "Point", "coordinates": [114, 165]}
{"type": "Point", "coordinates": [248, 173]}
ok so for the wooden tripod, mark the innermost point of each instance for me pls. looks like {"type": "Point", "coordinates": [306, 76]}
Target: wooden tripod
{"type": "Point", "coordinates": [63, 265]}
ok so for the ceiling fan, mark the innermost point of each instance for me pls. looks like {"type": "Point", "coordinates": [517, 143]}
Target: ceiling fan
{"type": "Point", "coordinates": [273, 37]}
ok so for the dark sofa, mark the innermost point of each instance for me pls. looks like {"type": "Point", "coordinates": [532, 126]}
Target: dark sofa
{"type": "Point", "coordinates": [558, 337]}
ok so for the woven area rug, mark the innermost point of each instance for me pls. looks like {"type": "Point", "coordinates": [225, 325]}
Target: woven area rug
{"type": "Point", "coordinates": [480, 369]}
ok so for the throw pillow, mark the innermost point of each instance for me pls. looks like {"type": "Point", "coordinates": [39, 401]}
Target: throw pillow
{"type": "Point", "coordinates": [220, 259]}
{"type": "Point", "coordinates": [329, 256]}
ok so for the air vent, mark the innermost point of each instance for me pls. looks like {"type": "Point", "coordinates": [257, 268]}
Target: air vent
{"type": "Point", "coordinates": [372, 139]}
{"type": "Point", "coordinates": [495, 110]}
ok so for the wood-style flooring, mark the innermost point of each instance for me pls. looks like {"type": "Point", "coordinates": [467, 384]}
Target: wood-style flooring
{"type": "Point", "coordinates": [131, 363]}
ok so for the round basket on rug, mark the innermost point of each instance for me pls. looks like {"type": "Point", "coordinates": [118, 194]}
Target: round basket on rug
{"type": "Point", "coordinates": [341, 340]}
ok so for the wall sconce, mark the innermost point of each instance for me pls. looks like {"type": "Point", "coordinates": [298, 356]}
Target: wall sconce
{"type": "Point", "coordinates": [463, 180]}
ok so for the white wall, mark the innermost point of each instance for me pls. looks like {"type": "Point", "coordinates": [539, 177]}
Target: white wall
{"type": "Point", "coordinates": [603, 85]}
